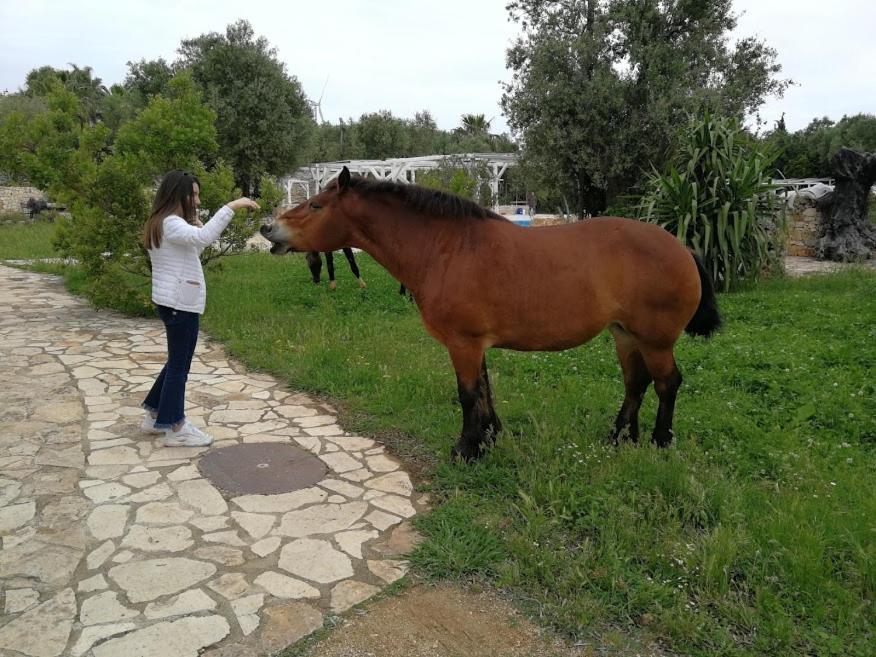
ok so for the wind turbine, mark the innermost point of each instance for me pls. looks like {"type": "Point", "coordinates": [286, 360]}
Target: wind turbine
{"type": "Point", "coordinates": [317, 106]}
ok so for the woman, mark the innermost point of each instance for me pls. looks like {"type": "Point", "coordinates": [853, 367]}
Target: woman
{"type": "Point", "coordinates": [174, 238]}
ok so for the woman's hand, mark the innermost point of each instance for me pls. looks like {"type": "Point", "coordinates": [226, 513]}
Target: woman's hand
{"type": "Point", "coordinates": [241, 203]}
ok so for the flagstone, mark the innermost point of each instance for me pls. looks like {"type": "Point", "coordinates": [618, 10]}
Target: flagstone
{"type": "Point", "coordinates": [387, 570]}
{"type": "Point", "coordinates": [358, 475]}
{"type": "Point", "coordinates": [255, 524]}
{"type": "Point", "coordinates": [340, 461]}
{"type": "Point", "coordinates": [226, 538]}
{"type": "Point", "coordinates": [230, 585]}
{"type": "Point", "coordinates": [266, 546]}
{"type": "Point", "coordinates": [163, 513]}
{"type": "Point", "coordinates": [295, 412]}
{"type": "Point", "coordinates": [152, 494]}
{"type": "Point", "coordinates": [246, 609]}
{"type": "Point", "coordinates": [315, 560]}
{"type": "Point", "coordinates": [108, 521]}
{"type": "Point", "coordinates": [188, 602]}
{"type": "Point", "coordinates": [106, 492]}
{"type": "Point", "coordinates": [14, 516]}
{"type": "Point", "coordinates": [93, 634]}
{"type": "Point", "coordinates": [349, 593]}
{"type": "Point", "coordinates": [104, 608]}
{"type": "Point", "coordinates": [283, 586]}
{"type": "Point", "coordinates": [227, 556]}
{"type": "Point", "coordinates": [281, 502]}
{"type": "Point", "coordinates": [97, 556]}
{"type": "Point", "coordinates": [141, 479]}
{"type": "Point", "coordinates": [353, 443]}
{"type": "Point", "coordinates": [158, 539]}
{"type": "Point", "coordinates": [184, 473]}
{"type": "Point", "coordinates": [381, 463]}
{"type": "Point", "coordinates": [50, 564]}
{"type": "Point", "coordinates": [328, 430]}
{"type": "Point", "coordinates": [395, 482]}
{"type": "Point", "coordinates": [210, 524]}
{"type": "Point", "coordinates": [202, 495]}
{"type": "Point", "coordinates": [185, 637]}
{"type": "Point", "coordinates": [115, 456]}
{"type": "Point", "coordinates": [147, 580]}
{"type": "Point", "coordinates": [42, 631]}
{"type": "Point", "coordinates": [18, 600]}
{"type": "Point", "coordinates": [321, 519]}
{"type": "Point", "coordinates": [342, 487]}
{"type": "Point", "coordinates": [94, 583]}
{"type": "Point", "coordinates": [381, 520]}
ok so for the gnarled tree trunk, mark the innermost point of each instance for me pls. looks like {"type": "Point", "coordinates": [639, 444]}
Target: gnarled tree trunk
{"type": "Point", "coordinates": [846, 232]}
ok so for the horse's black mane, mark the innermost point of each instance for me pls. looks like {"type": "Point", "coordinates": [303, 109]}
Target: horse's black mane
{"type": "Point", "coordinates": [423, 200]}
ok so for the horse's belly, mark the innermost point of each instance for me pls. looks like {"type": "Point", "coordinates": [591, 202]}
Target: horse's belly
{"type": "Point", "coordinates": [547, 339]}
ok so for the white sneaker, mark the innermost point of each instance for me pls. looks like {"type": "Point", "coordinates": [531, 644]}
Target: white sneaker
{"type": "Point", "coordinates": [148, 425]}
{"type": "Point", "coordinates": [188, 436]}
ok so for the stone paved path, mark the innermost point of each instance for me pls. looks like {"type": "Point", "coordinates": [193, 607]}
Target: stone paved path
{"type": "Point", "coordinates": [114, 545]}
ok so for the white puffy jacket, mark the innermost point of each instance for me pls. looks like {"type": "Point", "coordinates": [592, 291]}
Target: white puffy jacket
{"type": "Point", "coordinates": [177, 275]}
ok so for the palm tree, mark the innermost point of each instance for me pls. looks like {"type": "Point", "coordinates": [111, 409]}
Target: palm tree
{"type": "Point", "coordinates": [475, 124]}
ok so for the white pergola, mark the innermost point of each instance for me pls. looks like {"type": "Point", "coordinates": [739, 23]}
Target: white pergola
{"type": "Point", "coordinates": [400, 169]}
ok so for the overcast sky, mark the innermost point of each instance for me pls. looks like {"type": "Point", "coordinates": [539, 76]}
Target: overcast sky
{"type": "Point", "coordinates": [447, 56]}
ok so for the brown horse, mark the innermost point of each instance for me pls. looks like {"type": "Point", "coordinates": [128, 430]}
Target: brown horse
{"type": "Point", "coordinates": [462, 264]}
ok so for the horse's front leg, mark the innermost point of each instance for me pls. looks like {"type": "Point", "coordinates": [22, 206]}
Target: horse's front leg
{"type": "Point", "coordinates": [479, 422]}
{"type": "Point", "coordinates": [314, 263]}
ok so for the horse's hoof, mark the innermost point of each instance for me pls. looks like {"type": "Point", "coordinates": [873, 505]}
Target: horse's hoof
{"type": "Point", "coordinates": [333, 286]}
{"type": "Point", "coordinates": [362, 284]}
{"type": "Point", "coordinates": [662, 440]}
{"type": "Point", "coordinates": [464, 454]}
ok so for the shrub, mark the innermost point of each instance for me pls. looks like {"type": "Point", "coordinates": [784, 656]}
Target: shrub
{"type": "Point", "coordinates": [717, 199]}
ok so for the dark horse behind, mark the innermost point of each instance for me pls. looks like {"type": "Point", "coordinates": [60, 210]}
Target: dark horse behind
{"type": "Point", "coordinates": [314, 263]}
{"type": "Point", "coordinates": [462, 264]}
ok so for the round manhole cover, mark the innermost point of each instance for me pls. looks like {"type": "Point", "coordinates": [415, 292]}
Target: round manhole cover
{"type": "Point", "coordinates": [262, 468]}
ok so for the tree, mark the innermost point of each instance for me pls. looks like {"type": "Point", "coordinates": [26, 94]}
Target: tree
{"type": "Point", "coordinates": [148, 78]}
{"type": "Point", "coordinates": [383, 135]}
{"type": "Point", "coordinates": [81, 82]}
{"type": "Point", "coordinates": [263, 121]}
{"type": "Point", "coordinates": [847, 234]}
{"type": "Point", "coordinates": [599, 87]}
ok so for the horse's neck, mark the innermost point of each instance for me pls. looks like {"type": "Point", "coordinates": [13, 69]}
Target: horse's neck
{"type": "Point", "coordinates": [403, 245]}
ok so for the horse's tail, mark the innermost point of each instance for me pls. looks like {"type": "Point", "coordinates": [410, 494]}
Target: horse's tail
{"type": "Point", "coordinates": [706, 319]}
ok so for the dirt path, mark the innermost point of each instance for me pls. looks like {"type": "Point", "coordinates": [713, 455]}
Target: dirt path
{"type": "Point", "coordinates": [448, 621]}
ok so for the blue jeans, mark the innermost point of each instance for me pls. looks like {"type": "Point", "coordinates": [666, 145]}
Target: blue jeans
{"type": "Point", "coordinates": [168, 394]}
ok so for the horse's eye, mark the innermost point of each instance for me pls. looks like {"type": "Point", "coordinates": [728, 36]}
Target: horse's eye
{"type": "Point", "coordinates": [315, 206]}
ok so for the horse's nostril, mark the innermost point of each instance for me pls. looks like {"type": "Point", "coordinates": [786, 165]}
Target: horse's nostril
{"type": "Point", "coordinates": [265, 229]}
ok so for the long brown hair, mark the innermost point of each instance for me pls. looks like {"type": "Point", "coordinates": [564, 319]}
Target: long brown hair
{"type": "Point", "coordinates": [177, 190]}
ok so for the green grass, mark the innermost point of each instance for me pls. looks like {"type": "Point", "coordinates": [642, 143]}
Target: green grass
{"type": "Point", "coordinates": [26, 241]}
{"type": "Point", "coordinates": [755, 534]}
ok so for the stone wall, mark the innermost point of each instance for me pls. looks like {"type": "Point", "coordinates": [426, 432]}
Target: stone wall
{"type": "Point", "coordinates": [803, 220]}
{"type": "Point", "coordinates": [14, 199]}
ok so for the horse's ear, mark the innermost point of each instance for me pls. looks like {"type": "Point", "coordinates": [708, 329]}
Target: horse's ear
{"type": "Point", "coordinates": [344, 179]}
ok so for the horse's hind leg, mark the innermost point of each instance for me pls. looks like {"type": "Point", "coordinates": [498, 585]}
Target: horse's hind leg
{"type": "Point", "coordinates": [667, 380]}
{"type": "Point", "coordinates": [636, 382]}
{"type": "Point", "coordinates": [491, 425]}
